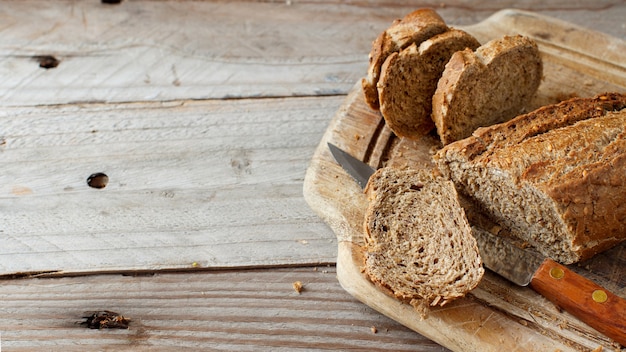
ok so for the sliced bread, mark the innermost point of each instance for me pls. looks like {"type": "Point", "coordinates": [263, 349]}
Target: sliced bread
{"type": "Point", "coordinates": [415, 27]}
{"type": "Point", "coordinates": [409, 79]}
{"type": "Point", "coordinates": [553, 177]}
{"type": "Point", "coordinates": [491, 85]}
{"type": "Point", "coordinates": [419, 245]}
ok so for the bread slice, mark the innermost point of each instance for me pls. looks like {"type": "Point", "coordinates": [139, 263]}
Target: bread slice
{"type": "Point", "coordinates": [409, 78]}
{"type": "Point", "coordinates": [554, 177]}
{"type": "Point", "coordinates": [491, 85]}
{"type": "Point", "coordinates": [419, 245]}
{"type": "Point", "coordinates": [415, 27]}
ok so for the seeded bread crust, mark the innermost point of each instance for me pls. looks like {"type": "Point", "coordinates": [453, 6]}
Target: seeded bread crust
{"type": "Point", "coordinates": [491, 85]}
{"type": "Point", "coordinates": [415, 27]}
{"type": "Point", "coordinates": [554, 177]}
{"type": "Point", "coordinates": [419, 245]}
{"type": "Point", "coordinates": [409, 79]}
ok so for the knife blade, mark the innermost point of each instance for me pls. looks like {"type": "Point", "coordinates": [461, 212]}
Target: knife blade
{"type": "Point", "coordinates": [579, 296]}
{"type": "Point", "coordinates": [357, 169]}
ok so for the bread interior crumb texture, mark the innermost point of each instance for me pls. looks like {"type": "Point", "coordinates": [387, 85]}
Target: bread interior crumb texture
{"type": "Point", "coordinates": [419, 243]}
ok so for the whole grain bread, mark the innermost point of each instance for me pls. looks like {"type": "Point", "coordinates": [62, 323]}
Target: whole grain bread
{"type": "Point", "coordinates": [491, 85]}
{"type": "Point", "coordinates": [419, 245]}
{"type": "Point", "coordinates": [415, 27]}
{"type": "Point", "coordinates": [554, 177]}
{"type": "Point", "coordinates": [409, 79]}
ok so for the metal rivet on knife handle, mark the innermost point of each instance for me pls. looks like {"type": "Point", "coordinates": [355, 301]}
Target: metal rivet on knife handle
{"type": "Point", "coordinates": [599, 296]}
{"type": "Point", "coordinates": [556, 273]}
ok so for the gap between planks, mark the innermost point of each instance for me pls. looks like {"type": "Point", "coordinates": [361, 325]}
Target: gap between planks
{"type": "Point", "coordinates": [55, 274]}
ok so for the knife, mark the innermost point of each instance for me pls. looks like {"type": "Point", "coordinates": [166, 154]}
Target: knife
{"type": "Point", "coordinates": [579, 296]}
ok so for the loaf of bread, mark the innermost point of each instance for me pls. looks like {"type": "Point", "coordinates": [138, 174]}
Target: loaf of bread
{"type": "Point", "coordinates": [419, 245]}
{"type": "Point", "coordinates": [491, 85]}
{"type": "Point", "coordinates": [408, 80]}
{"type": "Point", "coordinates": [555, 177]}
{"type": "Point", "coordinates": [415, 27]}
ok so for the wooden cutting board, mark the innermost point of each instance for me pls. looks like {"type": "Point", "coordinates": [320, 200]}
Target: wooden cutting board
{"type": "Point", "coordinates": [497, 314]}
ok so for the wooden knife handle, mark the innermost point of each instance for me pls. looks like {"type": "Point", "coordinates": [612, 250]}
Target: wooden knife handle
{"type": "Point", "coordinates": [589, 302]}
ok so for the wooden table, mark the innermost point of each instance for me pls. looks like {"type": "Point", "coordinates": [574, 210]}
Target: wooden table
{"type": "Point", "coordinates": [204, 116]}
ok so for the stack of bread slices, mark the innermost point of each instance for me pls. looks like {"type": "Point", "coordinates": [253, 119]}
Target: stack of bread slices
{"type": "Point", "coordinates": [553, 177]}
{"type": "Point", "coordinates": [423, 74]}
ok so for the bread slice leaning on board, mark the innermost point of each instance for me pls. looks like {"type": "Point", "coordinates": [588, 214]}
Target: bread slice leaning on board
{"type": "Point", "coordinates": [554, 177]}
{"type": "Point", "coordinates": [490, 85]}
{"type": "Point", "coordinates": [419, 244]}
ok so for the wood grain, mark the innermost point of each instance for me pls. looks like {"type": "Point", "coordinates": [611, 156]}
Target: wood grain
{"type": "Point", "coordinates": [208, 184]}
{"type": "Point", "coordinates": [150, 50]}
{"type": "Point", "coordinates": [497, 313]}
{"type": "Point", "coordinates": [249, 310]}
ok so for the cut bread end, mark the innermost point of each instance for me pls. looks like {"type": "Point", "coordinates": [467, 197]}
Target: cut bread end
{"type": "Point", "coordinates": [552, 177]}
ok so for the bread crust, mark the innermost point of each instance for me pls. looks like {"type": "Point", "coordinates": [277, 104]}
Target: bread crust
{"type": "Point", "coordinates": [409, 79]}
{"type": "Point", "coordinates": [553, 177]}
{"type": "Point", "coordinates": [415, 27]}
{"type": "Point", "coordinates": [491, 85]}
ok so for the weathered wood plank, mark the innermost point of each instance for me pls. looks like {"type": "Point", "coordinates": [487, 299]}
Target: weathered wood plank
{"type": "Point", "coordinates": [209, 184]}
{"type": "Point", "coordinates": [253, 310]}
{"type": "Point", "coordinates": [149, 50]}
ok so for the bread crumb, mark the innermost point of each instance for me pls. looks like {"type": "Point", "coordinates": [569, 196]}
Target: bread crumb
{"type": "Point", "coordinates": [598, 349]}
{"type": "Point", "coordinates": [374, 330]}
{"type": "Point", "coordinates": [298, 287]}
